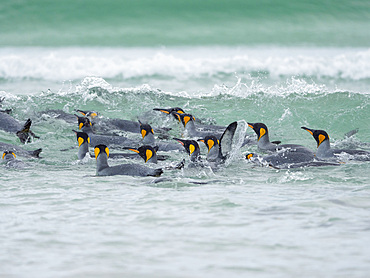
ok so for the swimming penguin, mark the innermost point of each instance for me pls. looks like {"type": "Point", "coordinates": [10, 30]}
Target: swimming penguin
{"type": "Point", "coordinates": [19, 151]}
{"type": "Point", "coordinates": [103, 169]}
{"type": "Point", "coordinates": [263, 141]}
{"type": "Point", "coordinates": [187, 121]}
{"type": "Point", "coordinates": [83, 140]}
{"type": "Point", "coordinates": [219, 150]}
{"type": "Point", "coordinates": [10, 160]}
{"type": "Point", "coordinates": [89, 114]}
{"type": "Point", "coordinates": [9, 124]}
{"type": "Point", "coordinates": [324, 151]}
{"type": "Point", "coordinates": [148, 153]}
{"type": "Point", "coordinates": [200, 124]}
{"type": "Point", "coordinates": [83, 144]}
{"type": "Point", "coordinates": [192, 148]}
{"type": "Point", "coordinates": [288, 159]}
{"type": "Point", "coordinates": [148, 139]}
{"type": "Point", "coordinates": [109, 140]}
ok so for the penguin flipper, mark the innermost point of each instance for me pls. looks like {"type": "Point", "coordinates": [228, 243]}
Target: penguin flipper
{"type": "Point", "coordinates": [226, 139]}
{"type": "Point", "coordinates": [351, 133]}
{"type": "Point", "coordinates": [23, 134]}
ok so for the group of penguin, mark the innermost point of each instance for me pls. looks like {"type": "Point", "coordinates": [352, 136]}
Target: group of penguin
{"type": "Point", "coordinates": [96, 131]}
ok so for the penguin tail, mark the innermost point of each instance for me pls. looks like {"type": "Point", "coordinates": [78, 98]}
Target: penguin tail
{"type": "Point", "coordinates": [36, 153]}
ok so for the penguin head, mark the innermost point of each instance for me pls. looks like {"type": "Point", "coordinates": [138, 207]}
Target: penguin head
{"type": "Point", "coordinates": [8, 155]}
{"type": "Point", "coordinates": [145, 129]}
{"type": "Point", "coordinates": [259, 128]}
{"type": "Point", "coordinates": [319, 135]}
{"type": "Point", "coordinates": [183, 118]}
{"type": "Point", "coordinates": [101, 150]}
{"type": "Point", "coordinates": [210, 141]}
{"type": "Point", "coordinates": [146, 152]}
{"type": "Point", "coordinates": [249, 156]}
{"type": "Point", "coordinates": [91, 114]}
{"type": "Point", "coordinates": [83, 121]}
{"type": "Point", "coordinates": [191, 146]}
{"type": "Point", "coordinates": [82, 137]}
{"type": "Point", "coordinates": [170, 111]}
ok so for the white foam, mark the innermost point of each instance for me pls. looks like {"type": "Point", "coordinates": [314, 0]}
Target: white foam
{"type": "Point", "coordinates": [181, 63]}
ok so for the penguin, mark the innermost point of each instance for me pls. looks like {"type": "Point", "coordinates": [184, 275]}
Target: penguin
{"type": "Point", "coordinates": [83, 141]}
{"type": "Point", "coordinates": [188, 120]}
{"type": "Point", "coordinates": [148, 139]}
{"type": "Point", "coordinates": [146, 152]}
{"type": "Point", "coordinates": [103, 169]}
{"type": "Point", "coordinates": [192, 148]}
{"type": "Point", "coordinates": [263, 141]}
{"type": "Point", "coordinates": [88, 114]}
{"type": "Point", "coordinates": [109, 140]}
{"type": "Point", "coordinates": [169, 111]}
{"type": "Point", "coordinates": [324, 151]}
{"type": "Point", "coordinates": [11, 125]}
{"type": "Point", "coordinates": [172, 111]}
{"type": "Point", "coordinates": [288, 159]}
{"type": "Point", "coordinates": [11, 160]}
{"type": "Point", "coordinates": [19, 151]}
{"type": "Point", "coordinates": [219, 150]}
{"type": "Point", "coordinates": [83, 144]}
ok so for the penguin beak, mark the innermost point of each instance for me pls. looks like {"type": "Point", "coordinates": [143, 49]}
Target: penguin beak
{"type": "Point", "coordinates": [251, 125]}
{"type": "Point", "coordinates": [166, 111]}
{"type": "Point", "coordinates": [308, 129]}
{"type": "Point", "coordinates": [180, 141]}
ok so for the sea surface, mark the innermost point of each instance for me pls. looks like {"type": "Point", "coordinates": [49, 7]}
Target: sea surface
{"type": "Point", "coordinates": [284, 63]}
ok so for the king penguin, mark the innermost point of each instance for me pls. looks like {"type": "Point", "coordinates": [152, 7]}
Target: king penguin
{"type": "Point", "coordinates": [103, 169]}
{"type": "Point", "coordinates": [20, 151]}
{"type": "Point", "coordinates": [324, 151]}
{"type": "Point", "coordinates": [83, 141]}
{"type": "Point", "coordinates": [146, 152]}
{"type": "Point", "coordinates": [192, 149]}
{"type": "Point", "coordinates": [205, 127]}
{"type": "Point", "coordinates": [109, 140]}
{"type": "Point", "coordinates": [23, 132]}
{"type": "Point", "coordinates": [148, 139]}
{"type": "Point", "coordinates": [263, 140]}
{"type": "Point", "coordinates": [219, 150]}
{"type": "Point", "coordinates": [11, 160]}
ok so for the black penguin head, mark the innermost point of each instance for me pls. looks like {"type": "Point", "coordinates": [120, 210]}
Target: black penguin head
{"type": "Point", "coordinates": [8, 155]}
{"type": "Point", "coordinates": [146, 152]}
{"type": "Point", "coordinates": [319, 135]}
{"type": "Point", "coordinates": [183, 118]}
{"type": "Point", "coordinates": [191, 146]}
{"type": "Point", "coordinates": [259, 128]}
{"type": "Point", "coordinates": [145, 129]}
{"type": "Point", "coordinates": [91, 114]}
{"type": "Point", "coordinates": [170, 110]}
{"type": "Point", "coordinates": [210, 141]}
{"type": "Point", "coordinates": [82, 137]}
{"type": "Point", "coordinates": [83, 121]}
{"type": "Point", "coordinates": [101, 149]}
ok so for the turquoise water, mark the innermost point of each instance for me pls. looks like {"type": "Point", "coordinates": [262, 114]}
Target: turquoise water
{"type": "Point", "coordinates": [192, 22]}
{"type": "Point", "coordinates": [282, 63]}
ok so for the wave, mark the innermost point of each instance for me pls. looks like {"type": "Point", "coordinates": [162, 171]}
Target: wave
{"type": "Point", "coordinates": [183, 64]}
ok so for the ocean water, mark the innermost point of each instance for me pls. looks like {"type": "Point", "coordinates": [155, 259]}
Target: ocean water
{"type": "Point", "coordinates": [281, 63]}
